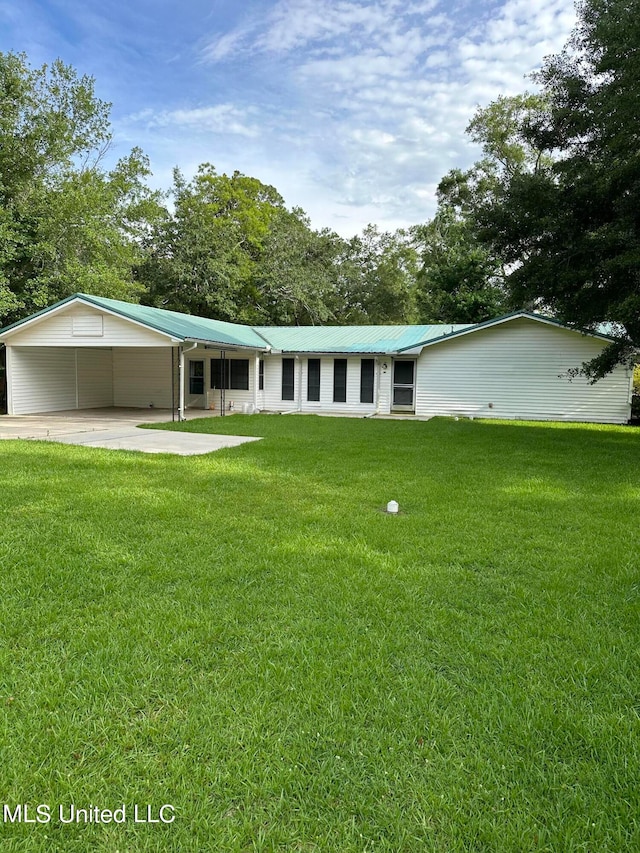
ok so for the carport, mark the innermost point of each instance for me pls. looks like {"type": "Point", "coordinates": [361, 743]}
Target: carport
{"type": "Point", "coordinates": [88, 352]}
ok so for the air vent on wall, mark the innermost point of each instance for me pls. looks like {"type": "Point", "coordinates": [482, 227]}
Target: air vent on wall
{"type": "Point", "coordinates": [87, 326]}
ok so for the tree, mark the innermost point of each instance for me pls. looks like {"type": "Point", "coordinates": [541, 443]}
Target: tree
{"type": "Point", "coordinates": [571, 229]}
{"type": "Point", "coordinates": [377, 278]}
{"type": "Point", "coordinates": [460, 281]}
{"type": "Point", "coordinates": [295, 276]}
{"type": "Point", "coordinates": [203, 258]}
{"type": "Point", "coordinates": [65, 223]}
{"type": "Point", "coordinates": [462, 278]}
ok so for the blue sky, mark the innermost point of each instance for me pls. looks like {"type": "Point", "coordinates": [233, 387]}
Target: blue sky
{"type": "Point", "coordinates": [352, 109]}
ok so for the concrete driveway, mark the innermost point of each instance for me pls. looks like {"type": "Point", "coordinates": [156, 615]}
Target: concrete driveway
{"type": "Point", "coordinates": [116, 429]}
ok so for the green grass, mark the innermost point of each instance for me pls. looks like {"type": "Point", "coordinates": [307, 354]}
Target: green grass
{"type": "Point", "coordinates": [246, 636]}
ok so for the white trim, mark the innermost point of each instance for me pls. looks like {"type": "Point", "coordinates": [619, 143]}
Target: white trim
{"type": "Point", "coordinates": [490, 324]}
{"type": "Point", "coordinates": [376, 384]}
{"type": "Point", "coordinates": [49, 312]}
{"type": "Point", "coordinates": [9, 379]}
{"type": "Point", "coordinates": [256, 380]}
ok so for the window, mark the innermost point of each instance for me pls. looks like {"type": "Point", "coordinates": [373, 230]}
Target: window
{"type": "Point", "coordinates": [313, 380]}
{"type": "Point", "coordinates": [216, 373]}
{"type": "Point", "coordinates": [239, 373]}
{"type": "Point", "coordinates": [340, 380]}
{"type": "Point", "coordinates": [366, 380]}
{"type": "Point", "coordinates": [236, 373]}
{"type": "Point", "coordinates": [261, 375]}
{"type": "Point", "coordinates": [288, 386]}
{"type": "Point", "coordinates": [196, 377]}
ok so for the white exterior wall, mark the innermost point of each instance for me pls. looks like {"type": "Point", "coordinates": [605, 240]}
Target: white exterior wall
{"type": "Point", "coordinates": [95, 378]}
{"type": "Point", "coordinates": [51, 379]}
{"type": "Point", "coordinates": [385, 377]}
{"type": "Point", "coordinates": [272, 397]}
{"type": "Point", "coordinates": [518, 367]}
{"type": "Point", "coordinates": [250, 398]}
{"type": "Point", "coordinates": [79, 326]}
{"type": "Point", "coordinates": [142, 377]}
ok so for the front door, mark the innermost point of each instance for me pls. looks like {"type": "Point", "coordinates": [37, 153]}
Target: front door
{"type": "Point", "coordinates": [404, 385]}
{"type": "Point", "coordinates": [196, 384]}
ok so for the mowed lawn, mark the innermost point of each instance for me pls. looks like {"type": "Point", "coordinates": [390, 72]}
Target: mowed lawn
{"type": "Point", "coordinates": [247, 637]}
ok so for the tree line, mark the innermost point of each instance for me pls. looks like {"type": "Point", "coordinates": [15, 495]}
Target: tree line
{"type": "Point", "coordinates": [548, 219]}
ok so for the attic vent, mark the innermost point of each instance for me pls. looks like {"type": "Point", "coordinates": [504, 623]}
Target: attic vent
{"type": "Point", "coordinates": [87, 326]}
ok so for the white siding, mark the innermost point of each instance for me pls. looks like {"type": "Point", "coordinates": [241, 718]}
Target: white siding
{"type": "Point", "coordinates": [272, 397]}
{"type": "Point", "coordinates": [65, 327]}
{"type": "Point", "coordinates": [42, 380]}
{"type": "Point", "coordinates": [50, 379]}
{"type": "Point", "coordinates": [142, 377]}
{"type": "Point", "coordinates": [519, 367]}
{"type": "Point", "coordinates": [385, 377]}
{"type": "Point", "coordinates": [95, 378]}
{"type": "Point", "coordinates": [239, 398]}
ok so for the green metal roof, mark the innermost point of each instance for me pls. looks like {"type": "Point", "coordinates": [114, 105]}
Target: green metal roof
{"type": "Point", "coordinates": [354, 339]}
{"type": "Point", "coordinates": [320, 339]}
{"type": "Point", "coordinates": [182, 326]}
{"type": "Point", "coordinates": [293, 339]}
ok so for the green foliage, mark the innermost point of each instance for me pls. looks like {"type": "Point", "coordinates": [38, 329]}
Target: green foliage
{"type": "Point", "coordinates": [501, 129]}
{"type": "Point", "coordinates": [377, 278]}
{"type": "Point", "coordinates": [203, 257]}
{"type": "Point", "coordinates": [232, 250]}
{"type": "Point", "coordinates": [571, 228]}
{"type": "Point", "coordinates": [295, 277]}
{"type": "Point", "coordinates": [462, 278]}
{"type": "Point", "coordinates": [65, 224]}
{"type": "Point", "coordinates": [459, 282]}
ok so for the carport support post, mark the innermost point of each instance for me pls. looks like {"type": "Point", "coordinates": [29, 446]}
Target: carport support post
{"type": "Point", "coordinates": [181, 401]}
{"type": "Point", "coordinates": [181, 416]}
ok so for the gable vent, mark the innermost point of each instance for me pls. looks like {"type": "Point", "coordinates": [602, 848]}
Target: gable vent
{"type": "Point", "coordinates": [87, 326]}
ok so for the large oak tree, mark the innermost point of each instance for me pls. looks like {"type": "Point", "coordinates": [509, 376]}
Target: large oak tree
{"type": "Point", "coordinates": [66, 223]}
{"type": "Point", "coordinates": [571, 228]}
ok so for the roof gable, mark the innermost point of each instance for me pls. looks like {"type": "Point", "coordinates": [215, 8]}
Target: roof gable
{"type": "Point", "coordinates": [506, 318]}
{"type": "Point", "coordinates": [177, 326]}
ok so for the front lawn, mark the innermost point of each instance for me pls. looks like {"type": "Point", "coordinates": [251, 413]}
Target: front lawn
{"type": "Point", "coordinates": [247, 637]}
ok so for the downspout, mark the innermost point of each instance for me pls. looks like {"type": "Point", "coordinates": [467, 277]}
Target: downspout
{"type": "Point", "coordinates": [256, 380]}
{"type": "Point", "coordinates": [299, 383]}
{"type": "Point", "coordinates": [181, 401]}
{"type": "Point", "coordinates": [7, 377]}
{"type": "Point", "coordinates": [376, 390]}
{"type": "Point", "coordinates": [77, 393]}
{"type": "Point", "coordinates": [173, 388]}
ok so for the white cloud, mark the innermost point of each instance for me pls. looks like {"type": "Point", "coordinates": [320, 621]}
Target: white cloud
{"type": "Point", "coordinates": [223, 47]}
{"type": "Point", "coordinates": [380, 92]}
{"type": "Point", "coordinates": [221, 118]}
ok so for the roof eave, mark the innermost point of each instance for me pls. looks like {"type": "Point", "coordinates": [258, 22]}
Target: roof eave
{"type": "Point", "coordinates": [497, 321]}
{"type": "Point", "coordinates": [226, 345]}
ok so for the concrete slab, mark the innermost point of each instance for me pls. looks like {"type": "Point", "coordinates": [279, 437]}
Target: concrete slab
{"type": "Point", "coordinates": [115, 429]}
{"type": "Point", "coordinates": [152, 440]}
